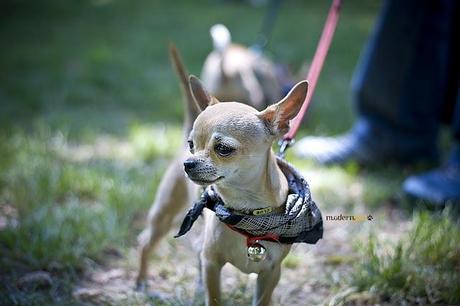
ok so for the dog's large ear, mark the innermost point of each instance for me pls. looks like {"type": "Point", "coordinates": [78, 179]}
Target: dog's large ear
{"type": "Point", "coordinates": [277, 116]}
{"type": "Point", "coordinates": [202, 98]}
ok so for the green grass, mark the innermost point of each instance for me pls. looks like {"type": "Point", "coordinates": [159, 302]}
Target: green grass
{"type": "Point", "coordinates": [74, 63]}
{"type": "Point", "coordinates": [63, 215]}
{"type": "Point", "coordinates": [90, 116]}
{"type": "Point", "coordinates": [422, 267]}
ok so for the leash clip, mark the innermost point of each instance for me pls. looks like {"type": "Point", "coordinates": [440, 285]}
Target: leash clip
{"type": "Point", "coordinates": [284, 145]}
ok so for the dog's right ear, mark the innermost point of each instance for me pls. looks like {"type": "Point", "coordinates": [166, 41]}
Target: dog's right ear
{"type": "Point", "coordinates": [202, 98]}
{"type": "Point", "coordinates": [277, 116]}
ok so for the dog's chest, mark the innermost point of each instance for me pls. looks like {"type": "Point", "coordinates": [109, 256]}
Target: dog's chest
{"type": "Point", "coordinates": [231, 247]}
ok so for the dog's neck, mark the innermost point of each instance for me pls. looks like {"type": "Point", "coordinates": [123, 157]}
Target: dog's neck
{"type": "Point", "coordinates": [264, 185]}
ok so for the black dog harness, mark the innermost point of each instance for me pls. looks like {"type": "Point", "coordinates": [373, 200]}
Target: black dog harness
{"type": "Point", "coordinates": [299, 220]}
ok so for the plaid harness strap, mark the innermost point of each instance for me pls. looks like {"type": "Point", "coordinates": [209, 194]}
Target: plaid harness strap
{"type": "Point", "coordinates": [299, 221]}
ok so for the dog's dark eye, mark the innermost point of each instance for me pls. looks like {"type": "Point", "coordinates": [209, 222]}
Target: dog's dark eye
{"type": "Point", "coordinates": [190, 145]}
{"type": "Point", "coordinates": [223, 150]}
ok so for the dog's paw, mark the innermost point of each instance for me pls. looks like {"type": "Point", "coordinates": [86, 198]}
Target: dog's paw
{"type": "Point", "coordinates": [141, 286]}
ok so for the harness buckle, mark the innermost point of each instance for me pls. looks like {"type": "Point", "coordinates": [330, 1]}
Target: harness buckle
{"type": "Point", "coordinates": [284, 145]}
{"type": "Point", "coordinates": [262, 211]}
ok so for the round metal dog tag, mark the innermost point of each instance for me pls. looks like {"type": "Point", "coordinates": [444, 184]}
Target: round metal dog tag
{"type": "Point", "coordinates": [257, 252]}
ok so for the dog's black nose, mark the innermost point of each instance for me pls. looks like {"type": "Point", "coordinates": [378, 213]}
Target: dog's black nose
{"type": "Point", "coordinates": [189, 164]}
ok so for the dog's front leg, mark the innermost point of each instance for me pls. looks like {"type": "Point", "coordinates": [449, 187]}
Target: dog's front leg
{"type": "Point", "coordinates": [211, 278]}
{"type": "Point", "coordinates": [266, 283]}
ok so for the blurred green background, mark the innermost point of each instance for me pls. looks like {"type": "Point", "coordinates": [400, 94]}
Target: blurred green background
{"type": "Point", "coordinates": [69, 63]}
{"type": "Point", "coordinates": [91, 114]}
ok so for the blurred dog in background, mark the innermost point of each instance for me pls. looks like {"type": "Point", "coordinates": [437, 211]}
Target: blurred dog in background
{"type": "Point", "coordinates": [233, 72]}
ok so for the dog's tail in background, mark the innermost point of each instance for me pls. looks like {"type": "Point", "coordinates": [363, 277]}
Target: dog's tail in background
{"type": "Point", "coordinates": [221, 38]}
{"type": "Point", "coordinates": [191, 109]}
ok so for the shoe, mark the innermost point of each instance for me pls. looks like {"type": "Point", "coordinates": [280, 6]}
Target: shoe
{"type": "Point", "coordinates": [336, 150]}
{"type": "Point", "coordinates": [365, 146]}
{"type": "Point", "coordinates": [437, 187]}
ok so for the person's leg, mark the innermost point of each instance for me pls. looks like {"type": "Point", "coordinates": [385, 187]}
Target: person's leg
{"type": "Point", "coordinates": [442, 185]}
{"type": "Point", "coordinates": [398, 86]}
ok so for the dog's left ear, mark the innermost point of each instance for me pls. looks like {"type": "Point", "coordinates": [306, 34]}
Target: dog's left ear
{"type": "Point", "coordinates": [277, 116]}
{"type": "Point", "coordinates": [202, 98]}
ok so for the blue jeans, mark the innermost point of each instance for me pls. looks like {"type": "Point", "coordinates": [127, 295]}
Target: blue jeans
{"type": "Point", "coordinates": [408, 76]}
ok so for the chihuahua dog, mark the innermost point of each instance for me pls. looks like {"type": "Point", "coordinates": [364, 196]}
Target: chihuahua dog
{"type": "Point", "coordinates": [232, 72]}
{"type": "Point", "coordinates": [229, 147]}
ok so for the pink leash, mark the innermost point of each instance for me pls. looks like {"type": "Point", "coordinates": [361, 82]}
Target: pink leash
{"type": "Point", "coordinates": [313, 73]}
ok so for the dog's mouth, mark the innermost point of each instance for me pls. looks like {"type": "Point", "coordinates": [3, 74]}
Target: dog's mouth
{"type": "Point", "coordinates": [204, 182]}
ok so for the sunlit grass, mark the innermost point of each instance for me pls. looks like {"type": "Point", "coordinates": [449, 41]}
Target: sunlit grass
{"type": "Point", "coordinates": [352, 186]}
{"type": "Point", "coordinates": [419, 268]}
{"type": "Point", "coordinates": [60, 213]}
